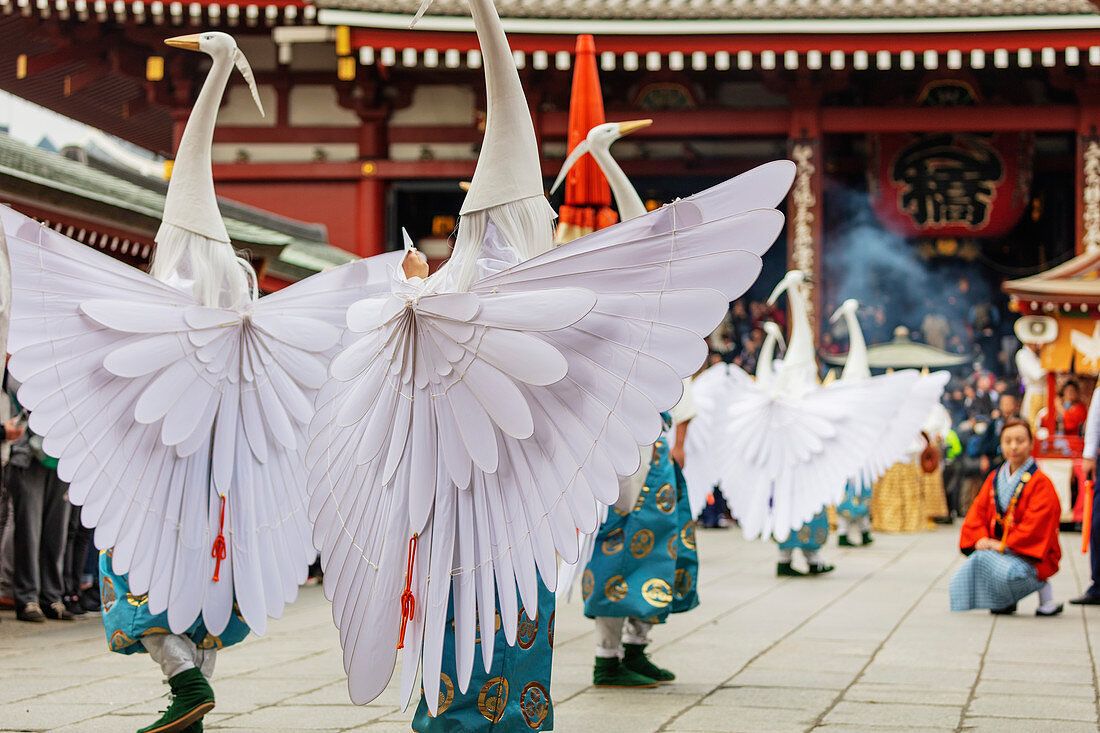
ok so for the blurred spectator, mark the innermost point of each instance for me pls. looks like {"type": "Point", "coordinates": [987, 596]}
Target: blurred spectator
{"type": "Point", "coordinates": [1071, 412]}
{"type": "Point", "coordinates": [41, 505]}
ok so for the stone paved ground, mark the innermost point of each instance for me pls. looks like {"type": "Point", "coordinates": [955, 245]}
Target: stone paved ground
{"type": "Point", "coordinates": [871, 647]}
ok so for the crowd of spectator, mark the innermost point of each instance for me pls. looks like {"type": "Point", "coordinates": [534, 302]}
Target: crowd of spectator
{"type": "Point", "coordinates": [48, 565]}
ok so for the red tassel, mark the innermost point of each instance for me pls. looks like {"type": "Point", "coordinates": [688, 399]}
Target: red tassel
{"type": "Point", "coordinates": [408, 603]}
{"type": "Point", "coordinates": [218, 551]}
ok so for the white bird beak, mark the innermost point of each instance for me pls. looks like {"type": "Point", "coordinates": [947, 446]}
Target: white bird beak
{"type": "Point", "coordinates": [779, 290]}
{"type": "Point", "coordinates": [581, 149]}
{"type": "Point", "coordinates": [190, 42]}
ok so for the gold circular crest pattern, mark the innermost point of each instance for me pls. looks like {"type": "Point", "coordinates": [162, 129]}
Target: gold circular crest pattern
{"type": "Point", "coordinates": [534, 703]}
{"type": "Point", "coordinates": [666, 499]}
{"type": "Point", "coordinates": [137, 601]}
{"type": "Point", "coordinates": [804, 534]}
{"type": "Point", "coordinates": [587, 583]}
{"type": "Point", "coordinates": [657, 592]}
{"type": "Point", "coordinates": [527, 630]}
{"type": "Point", "coordinates": [641, 544]}
{"type": "Point", "coordinates": [107, 593]}
{"type": "Point", "coordinates": [550, 629]}
{"type": "Point", "coordinates": [673, 546]}
{"type": "Point", "coordinates": [683, 582]}
{"type": "Point", "coordinates": [687, 534]}
{"type": "Point", "coordinates": [613, 543]}
{"type": "Point", "coordinates": [821, 535]}
{"type": "Point", "coordinates": [656, 452]}
{"type": "Point", "coordinates": [616, 588]}
{"type": "Point", "coordinates": [446, 695]}
{"type": "Point", "coordinates": [120, 641]}
{"type": "Point", "coordinates": [493, 698]}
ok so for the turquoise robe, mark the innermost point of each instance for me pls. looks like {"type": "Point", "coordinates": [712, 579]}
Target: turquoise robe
{"type": "Point", "coordinates": [811, 537]}
{"type": "Point", "coordinates": [126, 617]}
{"type": "Point", "coordinates": [645, 563]}
{"type": "Point", "coordinates": [514, 696]}
{"type": "Point", "coordinates": [857, 503]}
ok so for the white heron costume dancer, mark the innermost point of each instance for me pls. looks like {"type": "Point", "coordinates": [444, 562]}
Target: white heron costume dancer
{"type": "Point", "coordinates": [650, 537]}
{"type": "Point", "coordinates": [177, 406]}
{"type": "Point", "coordinates": [790, 445]}
{"type": "Point", "coordinates": [481, 417]}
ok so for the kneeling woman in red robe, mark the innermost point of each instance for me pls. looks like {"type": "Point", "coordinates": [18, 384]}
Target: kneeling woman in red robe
{"type": "Point", "coordinates": [1010, 534]}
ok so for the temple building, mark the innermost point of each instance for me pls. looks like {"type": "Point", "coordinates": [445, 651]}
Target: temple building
{"type": "Point", "coordinates": [959, 139]}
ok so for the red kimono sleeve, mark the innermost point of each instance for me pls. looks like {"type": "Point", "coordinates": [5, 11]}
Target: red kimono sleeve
{"type": "Point", "coordinates": [1034, 531]}
{"type": "Point", "coordinates": [978, 519]}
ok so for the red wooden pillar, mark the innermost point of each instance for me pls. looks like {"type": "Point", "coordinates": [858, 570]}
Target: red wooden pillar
{"type": "Point", "coordinates": [1087, 179]}
{"type": "Point", "coordinates": [370, 209]}
{"type": "Point", "coordinates": [804, 205]}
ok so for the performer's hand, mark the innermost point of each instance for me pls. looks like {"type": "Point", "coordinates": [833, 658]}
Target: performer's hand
{"type": "Point", "coordinates": [1089, 464]}
{"type": "Point", "coordinates": [12, 431]}
{"type": "Point", "coordinates": [678, 455]}
{"type": "Point", "coordinates": [985, 543]}
{"type": "Point", "coordinates": [415, 265]}
{"type": "Point", "coordinates": [984, 464]}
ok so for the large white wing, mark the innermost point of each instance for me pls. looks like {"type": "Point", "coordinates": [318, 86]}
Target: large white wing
{"type": "Point", "coordinates": [784, 459]}
{"type": "Point", "coordinates": [492, 425]}
{"type": "Point", "coordinates": [158, 407]}
{"type": "Point", "coordinates": [713, 391]}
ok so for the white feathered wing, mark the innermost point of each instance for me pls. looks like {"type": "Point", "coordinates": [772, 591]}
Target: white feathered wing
{"type": "Point", "coordinates": [493, 424]}
{"type": "Point", "coordinates": [157, 406]}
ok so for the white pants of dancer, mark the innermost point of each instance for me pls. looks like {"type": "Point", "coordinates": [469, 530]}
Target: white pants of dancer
{"type": "Point", "coordinates": [175, 654]}
{"type": "Point", "coordinates": [611, 634]}
{"type": "Point", "coordinates": [844, 526]}
{"type": "Point", "coordinates": [811, 556]}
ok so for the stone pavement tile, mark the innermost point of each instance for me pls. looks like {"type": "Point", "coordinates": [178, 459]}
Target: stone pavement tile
{"type": "Point", "coordinates": [1025, 725]}
{"type": "Point", "coordinates": [23, 686]}
{"type": "Point", "coordinates": [843, 728]}
{"type": "Point", "coordinates": [304, 717]}
{"type": "Point", "coordinates": [827, 663]}
{"type": "Point", "coordinates": [108, 692]}
{"type": "Point", "coordinates": [711, 718]}
{"type": "Point", "coordinates": [793, 678]}
{"type": "Point", "coordinates": [384, 726]}
{"type": "Point", "coordinates": [29, 716]}
{"type": "Point", "coordinates": [1037, 673]}
{"type": "Point", "coordinates": [1023, 706]}
{"type": "Point", "coordinates": [937, 658]}
{"type": "Point", "coordinates": [871, 692]}
{"type": "Point", "coordinates": [1020, 687]}
{"type": "Point", "coordinates": [895, 714]}
{"type": "Point", "coordinates": [771, 697]}
{"type": "Point", "coordinates": [608, 719]}
{"type": "Point", "coordinates": [941, 679]}
{"type": "Point", "coordinates": [243, 694]}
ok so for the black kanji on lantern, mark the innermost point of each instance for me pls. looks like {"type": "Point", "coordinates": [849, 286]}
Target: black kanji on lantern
{"type": "Point", "coordinates": [948, 179]}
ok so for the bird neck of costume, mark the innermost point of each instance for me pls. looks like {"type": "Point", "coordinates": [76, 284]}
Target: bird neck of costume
{"type": "Point", "coordinates": [855, 366]}
{"type": "Point", "coordinates": [799, 369]}
{"type": "Point", "coordinates": [627, 200]}
{"type": "Point", "coordinates": [193, 251]}
{"type": "Point", "coordinates": [764, 360]}
{"type": "Point", "coordinates": [508, 166]}
{"type": "Point", "coordinates": [191, 203]}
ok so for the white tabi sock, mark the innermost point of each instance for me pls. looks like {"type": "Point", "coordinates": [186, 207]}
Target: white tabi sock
{"type": "Point", "coordinates": [1046, 597]}
{"type": "Point", "coordinates": [786, 555]}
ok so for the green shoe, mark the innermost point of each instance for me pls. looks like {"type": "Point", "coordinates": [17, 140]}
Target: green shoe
{"type": "Point", "coordinates": [820, 568]}
{"type": "Point", "coordinates": [636, 660]}
{"type": "Point", "coordinates": [191, 699]}
{"type": "Point", "coordinates": [843, 541]}
{"type": "Point", "coordinates": [784, 569]}
{"type": "Point", "coordinates": [867, 538]}
{"type": "Point", "coordinates": [611, 672]}
{"type": "Point", "coordinates": [195, 727]}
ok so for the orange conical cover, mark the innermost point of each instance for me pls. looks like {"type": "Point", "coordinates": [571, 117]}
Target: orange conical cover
{"type": "Point", "coordinates": [587, 194]}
